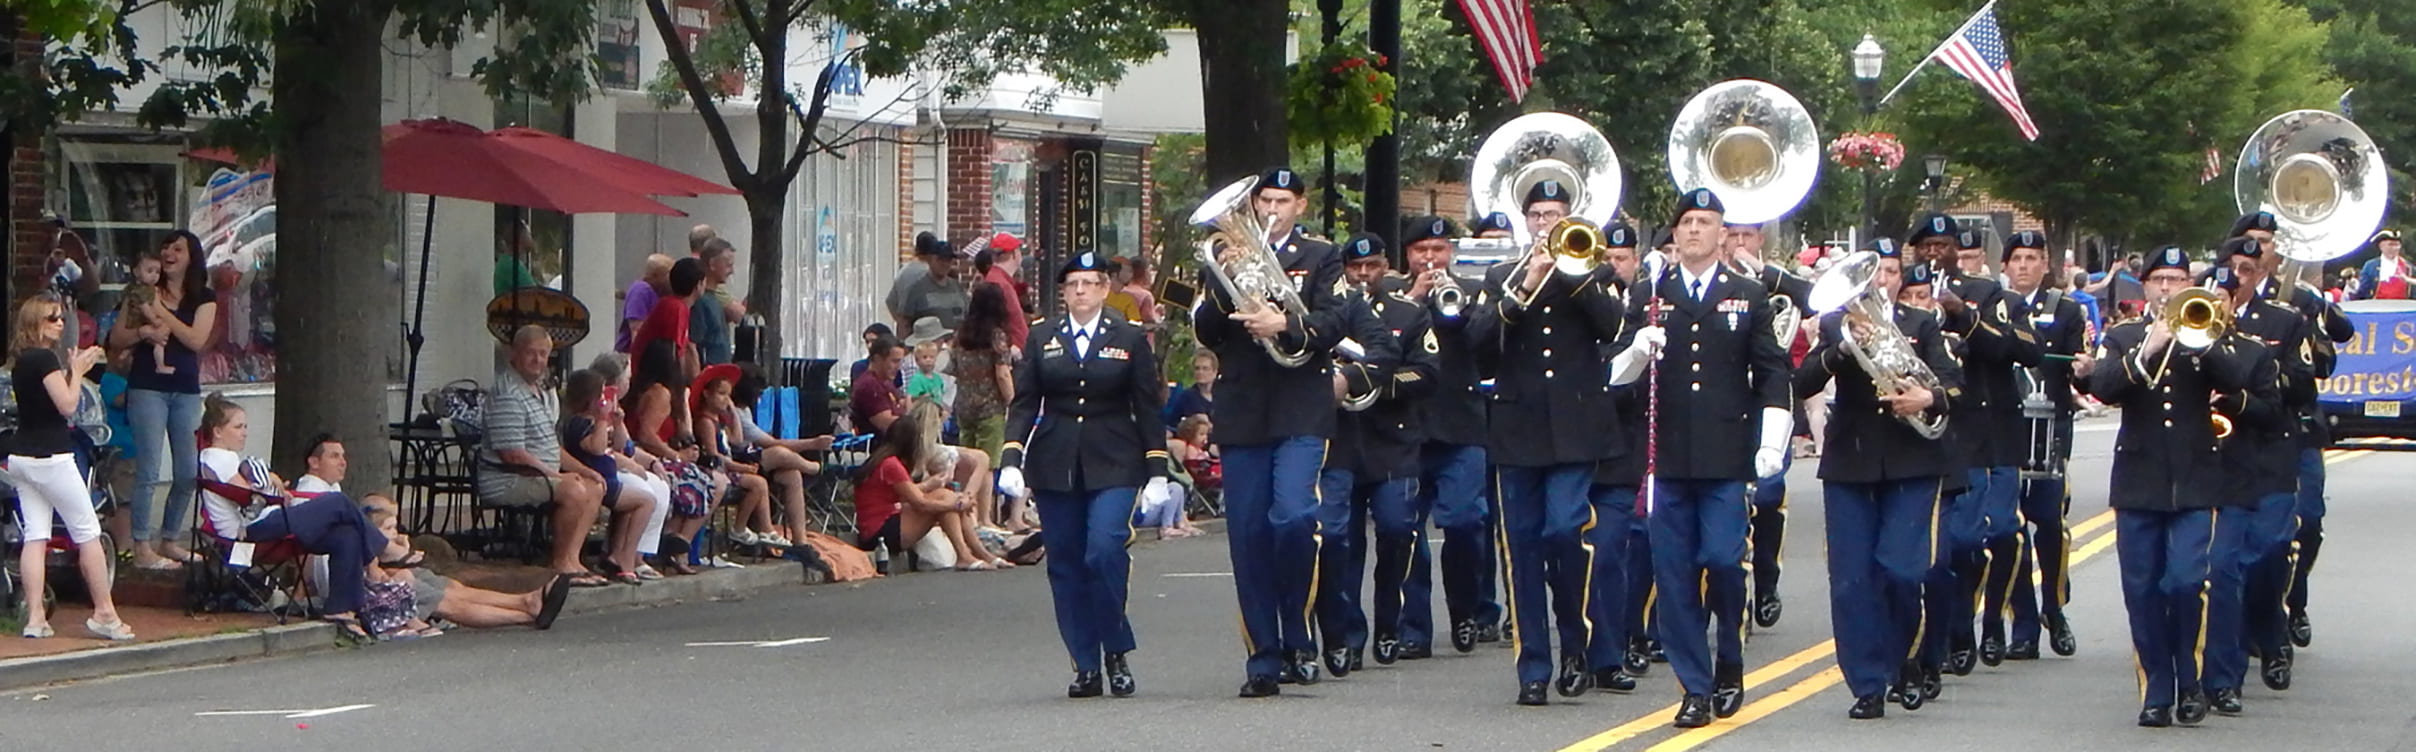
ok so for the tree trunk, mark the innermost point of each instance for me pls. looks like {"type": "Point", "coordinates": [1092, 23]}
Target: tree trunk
{"type": "Point", "coordinates": [335, 298]}
{"type": "Point", "coordinates": [1242, 84]}
{"type": "Point", "coordinates": [768, 191]}
{"type": "Point", "coordinates": [764, 266]}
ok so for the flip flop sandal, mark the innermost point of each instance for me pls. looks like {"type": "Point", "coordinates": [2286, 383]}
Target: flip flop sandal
{"type": "Point", "coordinates": [408, 562]}
{"type": "Point", "coordinates": [626, 577]}
{"type": "Point", "coordinates": [588, 580]}
{"type": "Point", "coordinates": [557, 593]}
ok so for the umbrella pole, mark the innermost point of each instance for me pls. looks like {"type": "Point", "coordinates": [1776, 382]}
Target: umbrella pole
{"type": "Point", "coordinates": [419, 309]}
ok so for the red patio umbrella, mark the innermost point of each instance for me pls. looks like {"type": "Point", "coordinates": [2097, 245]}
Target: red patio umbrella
{"type": "Point", "coordinates": [456, 160]}
{"type": "Point", "coordinates": [625, 171]}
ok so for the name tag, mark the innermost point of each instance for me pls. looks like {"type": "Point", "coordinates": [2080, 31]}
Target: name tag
{"type": "Point", "coordinates": [1734, 305]}
{"type": "Point", "coordinates": [1114, 353]}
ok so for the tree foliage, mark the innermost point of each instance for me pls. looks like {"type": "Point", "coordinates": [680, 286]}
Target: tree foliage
{"type": "Point", "coordinates": [2373, 48]}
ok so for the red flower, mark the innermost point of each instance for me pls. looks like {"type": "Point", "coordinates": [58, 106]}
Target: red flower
{"type": "Point", "coordinates": [1383, 60]}
{"type": "Point", "coordinates": [1371, 78]}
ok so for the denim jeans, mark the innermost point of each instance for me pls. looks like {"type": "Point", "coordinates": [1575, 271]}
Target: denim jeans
{"type": "Point", "coordinates": [164, 449]}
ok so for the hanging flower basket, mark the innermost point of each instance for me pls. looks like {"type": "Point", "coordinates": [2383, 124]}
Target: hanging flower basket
{"type": "Point", "coordinates": [1868, 152]}
{"type": "Point", "coordinates": [1340, 96]}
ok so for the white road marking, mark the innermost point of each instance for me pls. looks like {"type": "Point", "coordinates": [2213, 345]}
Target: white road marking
{"type": "Point", "coordinates": [289, 713]}
{"type": "Point", "coordinates": [758, 643]}
{"type": "Point", "coordinates": [1198, 574]}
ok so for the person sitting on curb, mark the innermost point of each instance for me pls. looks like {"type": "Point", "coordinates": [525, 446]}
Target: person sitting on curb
{"type": "Point", "coordinates": [435, 596]}
{"type": "Point", "coordinates": [329, 523]}
{"type": "Point", "coordinates": [893, 509]}
{"type": "Point", "coordinates": [783, 460]}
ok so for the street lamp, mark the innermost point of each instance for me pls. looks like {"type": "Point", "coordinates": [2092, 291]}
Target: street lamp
{"type": "Point", "coordinates": [1935, 165]}
{"type": "Point", "coordinates": [1868, 58]}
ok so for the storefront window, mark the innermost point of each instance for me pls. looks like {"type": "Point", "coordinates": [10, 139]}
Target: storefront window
{"type": "Point", "coordinates": [1010, 187]}
{"type": "Point", "coordinates": [531, 245]}
{"type": "Point", "coordinates": [1120, 226]}
{"type": "Point", "coordinates": [123, 198]}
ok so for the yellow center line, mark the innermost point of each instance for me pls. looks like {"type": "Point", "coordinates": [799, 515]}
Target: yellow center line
{"type": "Point", "coordinates": [1831, 676]}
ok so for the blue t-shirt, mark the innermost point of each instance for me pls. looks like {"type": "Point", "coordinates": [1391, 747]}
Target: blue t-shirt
{"type": "Point", "coordinates": [113, 399]}
{"type": "Point", "coordinates": [187, 378]}
{"type": "Point", "coordinates": [709, 329]}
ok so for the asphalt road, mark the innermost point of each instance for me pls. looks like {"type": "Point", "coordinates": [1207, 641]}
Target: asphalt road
{"type": "Point", "coordinates": [973, 660]}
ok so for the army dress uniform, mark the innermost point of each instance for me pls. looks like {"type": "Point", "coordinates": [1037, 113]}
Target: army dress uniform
{"type": "Point", "coordinates": [1370, 473]}
{"type": "Point", "coordinates": [1271, 423]}
{"type": "Point", "coordinates": [1769, 523]}
{"type": "Point", "coordinates": [1085, 436]}
{"type": "Point", "coordinates": [1723, 391]}
{"type": "Point", "coordinates": [2046, 498]}
{"type": "Point", "coordinates": [2169, 479]}
{"type": "Point", "coordinates": [1546, 350]}
{"type": "Point", "coordinates": [1880, 489]}
{"type": "Point", "coordinates": [1454, 473]}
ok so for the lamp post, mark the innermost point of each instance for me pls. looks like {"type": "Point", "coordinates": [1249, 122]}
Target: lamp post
{"type": "Point", "coordinates": [1867, 58]}
{"type": "Point", "coordinates": [1935, 165]}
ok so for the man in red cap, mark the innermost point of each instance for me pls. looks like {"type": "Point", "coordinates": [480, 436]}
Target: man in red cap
{"type": "Point", "coordinates": [998, 264]}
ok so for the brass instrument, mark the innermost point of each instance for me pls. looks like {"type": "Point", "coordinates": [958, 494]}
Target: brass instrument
{"type": "Point", "coordinates": [1350, 351]}
{"type": "Point", "coordinates": [1447, 298]}
{"type": "Point", "coordinates": [2199, 318]}
{"type": "Point", "coordinates": [2322, 178]}
{"type": "Point", "coordinates": [1753, 144]}
{"type": "Point", "coordinates": [1576, 247]}
{"type": "Point", "coordinates": [1883, 350]}
{"type": "Point", "coordinates": [1543, 146]}
{"type": "Point", "coordinates": [1236, 253]}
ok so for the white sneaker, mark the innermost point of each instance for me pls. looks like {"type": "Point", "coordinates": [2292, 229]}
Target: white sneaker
{"type": "Point", "coordinates": [744, 537]}
{"type": "Point", "coordinates": [719, 562]}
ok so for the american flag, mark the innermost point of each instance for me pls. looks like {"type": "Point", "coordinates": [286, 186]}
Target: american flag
{"type": "Point", "coordinates": [2213, 168]}
{"type": "Point", "coordinates": [1978, 52]}
{"type": "Point", "coordinates": [1506, 29]}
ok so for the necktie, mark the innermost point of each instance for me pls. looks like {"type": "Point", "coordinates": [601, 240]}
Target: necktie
{"type": "Point", "coordinates": [1697, 291]}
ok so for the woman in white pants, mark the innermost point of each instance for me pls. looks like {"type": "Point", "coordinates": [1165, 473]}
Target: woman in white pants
{"type": "Point", "coordinates": [42, 464]}
{"type": "Point", "coordinates": [633, 464]}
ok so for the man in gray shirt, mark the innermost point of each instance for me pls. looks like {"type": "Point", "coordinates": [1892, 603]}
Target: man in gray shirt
{"type": "Point", "coordinates": [930, 288]}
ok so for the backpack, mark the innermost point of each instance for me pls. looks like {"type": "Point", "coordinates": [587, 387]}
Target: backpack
{"type": "Point", "coordinates": [461, 403]}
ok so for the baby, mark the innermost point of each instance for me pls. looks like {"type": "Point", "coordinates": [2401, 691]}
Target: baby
{"type": "Point", "coordinates": [140, 295]}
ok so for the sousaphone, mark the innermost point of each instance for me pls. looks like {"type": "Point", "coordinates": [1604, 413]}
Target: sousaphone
{"type": "Point", "coordinates": [2321, 177]}
{"type": "Point", "coordinates": [1755, 146]}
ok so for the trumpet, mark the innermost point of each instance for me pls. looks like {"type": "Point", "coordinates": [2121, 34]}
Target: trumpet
{"type": "Point", "coordinates": [1446, 296]}
{"type": "Point", "coordinates": [2199, 318]}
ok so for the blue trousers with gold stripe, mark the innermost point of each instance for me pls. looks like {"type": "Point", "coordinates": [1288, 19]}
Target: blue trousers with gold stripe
{"type": "Point", "coordinates": [2245, 605]}
{"type": "Point", "coordinates": [1457, 488]}
{"type": "Point", "coordinates": [1547, 513]}
{"type": "Point", "coordinates": [1345, 507]}
{"type": "Point", "coordinates": [2166, 558]}
{"type": "Point", "coordinates": [1698, 539]}
{"type": "Point", "coordinates": [1090, 573]}
{"type": "Point", "coordinates": [1608, 605]}
{"type": "Point", "coordinates": [1271, 530]}
{"type": "Point", "coordinates": [1881, 539]}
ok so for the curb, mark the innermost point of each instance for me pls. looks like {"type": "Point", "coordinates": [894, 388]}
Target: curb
{"type": "Point", "coordinates": [311, 636]}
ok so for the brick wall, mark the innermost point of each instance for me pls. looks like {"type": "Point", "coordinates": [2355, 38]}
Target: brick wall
{"type": "Point", "coordinates": [1987, 205]}
{"type": "Point", "coordinates": [906, 157]}
{"type": "Point", "coordinates": [968, 160]}
{"type": "Point", "coordinates": [28, 241]}
{"type": "Point", "coordinates": [1446, 200]}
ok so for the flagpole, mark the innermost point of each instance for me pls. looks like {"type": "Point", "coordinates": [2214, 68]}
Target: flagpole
{"type": "Point", "coordinates": [1933, 53]}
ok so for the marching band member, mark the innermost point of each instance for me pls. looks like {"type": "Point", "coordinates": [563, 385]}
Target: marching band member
{"type": "Point", "coordinates": [1725, 371]}
{"type": "Point", "coordinates": [1271, 424]}
{"type": "Point", "coordinates": [1497, 224]}
{"type": "Point", "coordinates": [1454, 473]}
{"type": "Point", "coordinates": [2328, 327]}
{"type": "Point", "coordinates": [1371, 467]}
{"type": "Point", "coordinates": [1769, 531]}
{"type": "Point", "coordinates": [1085, 419]}
{"type": "Point", "coordinates": [1618, 573]}
{"type": "Point", "coordinates": [1880, 484]}
{"type": "Point", "coordinates": [2046, 499]}
{"type": "Point", "coordinates": [1545, 337]}
{"type": "Point", "coordinates": [2246, 607]}
{"type": "Point", "coordinates": [2168, 477]}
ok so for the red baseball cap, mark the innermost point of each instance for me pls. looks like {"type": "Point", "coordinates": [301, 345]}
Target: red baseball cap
{"type": "Point", "coordinates": [1005, 243]}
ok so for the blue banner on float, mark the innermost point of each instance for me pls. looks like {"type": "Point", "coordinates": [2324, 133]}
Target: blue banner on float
{"type": "Point", "coordinates": [2379, 363]}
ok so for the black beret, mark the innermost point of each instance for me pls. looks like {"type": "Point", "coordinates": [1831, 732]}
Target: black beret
{"type": "Point", "coordinates": [1425, 228]}
{"type": "Point", "coordinates": [1086, 261]}
{"type": "Point", "coordinates": [2168, 257]}
{"type": "Point", "coordinates": [1618, 235]}
{"type": "Point", "coordinates": [1494, 221]}
{"type": "Point", "coordinates": [1699, 199]}
{"type": "Point", "coordinates": [2242, 247]}
{"type": "Point", "coordinates": [1918, 275]}
{"type": "Point", "coordinates": [1361, 246]}
{"type": "Point", "coordinates": [2258, 220]}
{"type": "Point", "coordinates": [1884, 246]}
{"type": "Point", "coordinates": [1548, 190]}
{"type": "Point", "coordinates": [2031, 239]}
{"type": "Point", "coordinates": [1968, 240]}
{"type": "Point", "coordinates": [1933, 225]}
{"type": "Point", "coordinates": [1280, 177]}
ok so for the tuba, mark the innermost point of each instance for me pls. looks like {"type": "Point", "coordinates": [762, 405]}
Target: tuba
{"type": "Point", "coordinates": [1753, 144]}
{"type": "Point", "coordinates": [2322, 178]}
{"type": "Point", "coordinates": [1542, 146]}
{"type": "Point", "coordinates": [1877, 345]}
{"type": "Point", "coordinates": [1237, 255]}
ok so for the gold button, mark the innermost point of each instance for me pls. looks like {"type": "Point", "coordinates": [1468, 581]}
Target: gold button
{"type": "Point", "coordinates": [1694, 327]}
{"type": "Point", "coordinates": [1547, 373]}
{"type": "Point", "coordinates": [1697, 347]}
{"type": "Point", "coordinates": [1698, 386]}
{"type": "Point", "coordinates": [1547, 309]}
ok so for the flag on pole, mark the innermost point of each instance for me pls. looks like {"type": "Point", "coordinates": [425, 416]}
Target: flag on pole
{"type": "Point", "coordinates": [1506, 30]}
{"type": "Point", "coordinates": [2344, 103]}
{"type": "Point", "coordinates": [2213, 168]}
{"type": "Point", "coordinates": [1978, 52]}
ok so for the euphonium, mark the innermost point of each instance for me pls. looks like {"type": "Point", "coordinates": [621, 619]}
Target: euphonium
{"type": "Point", "coordinates": [1236, 253]}
{"type": "Point", "coordinates": [1883, 351]}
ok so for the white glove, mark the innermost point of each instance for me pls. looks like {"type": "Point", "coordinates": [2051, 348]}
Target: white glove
{"type": "Point", "coordinates": [1156, 494]}
{"type": "Point", "coordinates": [1629, 364]}
{"type": "Point", "coordinates": [1010, 482]}
{"type": "Point", "coordinates": [1771, 458]}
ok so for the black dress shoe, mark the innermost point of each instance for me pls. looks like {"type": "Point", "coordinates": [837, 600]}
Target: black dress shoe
{"type": "Point", "coordinates": [2155, 716]}
{"type": "Point", "coordinates": [1613, 680]}
{"type": "Point", "coordinates": [1932, 685]}
{"type": "Point", "coordinates": [1303, 667]}
{"type": "Point", "coordinates": [1992, 651]}
{"type": "Point", "coordinates": [1491, 632]}
{"type": "Point", "coordinates": [1906, 692]}
{"type": "Point", "coordinates": [1119, 676]}
{"type": "Point", "coordinates": [1727, 690]}
{"type": "Point", "coordinates": [2275, 669]}
{"type": "Point", "coordinates": [2224, 701]}
{"type": "Point", "coordinates": [2023, 650]}
{"type": "Point", "coordinates": [1575, 680]}
{"type": "Point", "coordinates": [1867, 708]}
{"type": "Point", "coordinates": [2191, 709]}
{"type": "Point", "coordinates": [1416, 651]}
{"type": "Point", "coordinates": [1766, 610]}
{"type": "Point", "coordinates": [1509, 631]}
{"type": "Point", "coordinates": [1261, 686]}
{"type": "Point", "coordinates": [1961, 661]}
{"type": "Point", "coordinates": [1693, 712]}
{"type": "Point", "coordinates": [1338, 662]}
{"type": "Point", "coordinates": [1654, 651]}
{"type": "Point", "coordinates": [1637, 662]}
{"type": "Point", "coordinates": [2301, 632]}
{"type": "Point", "coordinates": [1463, 635]}
{"type": "Point", "coordinates": [1532, 693]}
{"type": "Point", "coordinates": [1388, 649]}
{"type": "Point", "coordinates": [1086, 684]}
